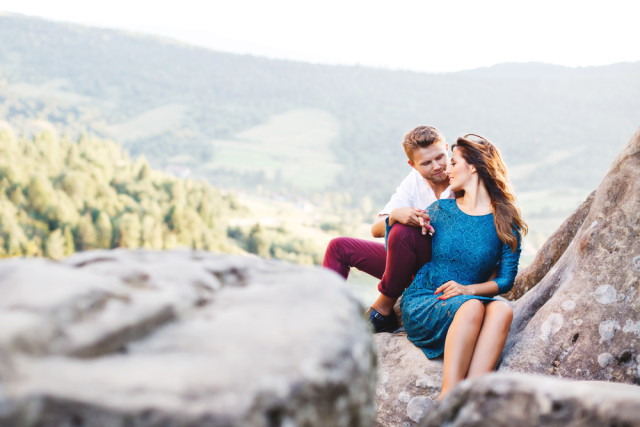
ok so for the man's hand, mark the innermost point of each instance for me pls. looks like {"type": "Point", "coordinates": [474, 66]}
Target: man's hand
{"type": "Point", "coordinates": [412, 217]}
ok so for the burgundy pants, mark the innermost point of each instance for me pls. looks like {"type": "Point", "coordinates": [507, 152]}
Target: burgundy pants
{"type": "Point", "coordinates": [407, 251]}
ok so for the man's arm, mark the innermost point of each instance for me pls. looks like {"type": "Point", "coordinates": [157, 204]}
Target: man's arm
{"type": "Point", "coordinates": [408, 216]}
{"type": "Point", "coordinates": [378, 227]}
{"type": "Point", "coordinates": [397, 211]}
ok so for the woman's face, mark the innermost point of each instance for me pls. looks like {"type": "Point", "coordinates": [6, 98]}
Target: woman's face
{"type": "Point", "coordinates": [459, 171]}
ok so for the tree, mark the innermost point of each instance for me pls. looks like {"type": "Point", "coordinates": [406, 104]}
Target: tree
{"type": "Point", "coordinates": [55, 245]}
{"type": "Point", "coordinates": [144, 170]}
{"type": "Point", "coordinates": [104, 230]}
{"type": "Point", "coordinates": [40, 191]}
{"type": "Point", "coordinates": [69, 245]}
{"type": "Point", "coordinates": [256, 243]}
{"type": "Point", "coordinates": [86, 235]}
{"type": "Point", "coordinates": [151, 233]}
{"type": "Point", "coordinates": [130, 231]}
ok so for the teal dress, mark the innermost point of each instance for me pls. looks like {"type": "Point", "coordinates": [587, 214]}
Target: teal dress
{"type": "Point", "coordinates": [466, 249]}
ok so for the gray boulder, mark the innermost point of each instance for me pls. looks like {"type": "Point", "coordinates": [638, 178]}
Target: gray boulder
{"type": "Point", "coordinates": [508, 399]}
{"type": "Point", "coordinates": [181, 338]}
{"type": "Point", "coordinates": [583, 319]}
{"type": "Point", "coordinates": [408, 382]}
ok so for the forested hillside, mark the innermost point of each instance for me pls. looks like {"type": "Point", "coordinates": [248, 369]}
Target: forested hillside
{"type": "Point", "coordinates": [298, 128]}
{"type": "Point", "coordinates": [60, 196]}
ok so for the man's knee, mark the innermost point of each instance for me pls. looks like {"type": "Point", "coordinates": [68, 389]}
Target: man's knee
{"type": "Point", "coordinates": [405, 240]}
{"type": "Point", "coordinates": [402, 233]}
{"type": "Point", "coordinates": [400, 229]}
{"type": "Point", "coordinates": [334, 243]}
{"type": "Point", "coordinates": [334, 257]}
{"type": "Point", "coordinates": [335, 248]}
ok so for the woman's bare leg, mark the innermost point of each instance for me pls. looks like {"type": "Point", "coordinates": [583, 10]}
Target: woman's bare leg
{"type": "Point", "coordinates": [493, 334]}
{"type": "Point", "coordinates": [460, 343]}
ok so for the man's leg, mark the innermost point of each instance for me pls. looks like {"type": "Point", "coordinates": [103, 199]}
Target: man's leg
{"type": "Point", "coordinates": [407, 251]}
{"type": "Point", "coordinates": [345, 252]}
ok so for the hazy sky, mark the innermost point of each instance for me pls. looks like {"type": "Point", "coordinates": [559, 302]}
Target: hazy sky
{"type": "Point", "coordinates": [447, 35]}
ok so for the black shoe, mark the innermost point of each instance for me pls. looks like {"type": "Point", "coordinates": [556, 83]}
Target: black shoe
{"type": "Point", "coordinates": [382, 323]}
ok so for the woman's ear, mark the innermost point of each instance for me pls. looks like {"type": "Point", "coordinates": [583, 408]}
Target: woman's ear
{"type": "Point", "coordinates": [472, 168]}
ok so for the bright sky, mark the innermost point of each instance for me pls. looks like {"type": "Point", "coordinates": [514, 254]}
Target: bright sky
{"type": "Point", "coordinates": [447, 35]}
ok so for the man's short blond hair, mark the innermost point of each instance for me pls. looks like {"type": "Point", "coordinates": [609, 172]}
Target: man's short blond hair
{"type": "Point", "coordinates": [420, 137]}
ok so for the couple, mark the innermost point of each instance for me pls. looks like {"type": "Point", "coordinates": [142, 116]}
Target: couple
{"type": "Point", "coordinates": [477, 230]}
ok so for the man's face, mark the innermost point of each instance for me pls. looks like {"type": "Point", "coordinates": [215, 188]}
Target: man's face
{"type": "Point", "coordinates": [431, 162]}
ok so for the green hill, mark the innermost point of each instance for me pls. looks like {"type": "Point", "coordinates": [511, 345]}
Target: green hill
{"type": "Point", "coordinates": [321, 133]}
{"type": "Point", "coordinates": [58, 196]}
{"type": "Point", "coordinates": [191, 106]}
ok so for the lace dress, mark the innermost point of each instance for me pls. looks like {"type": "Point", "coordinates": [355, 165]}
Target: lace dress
{"type": "Point", "coordinates": [466, 249]}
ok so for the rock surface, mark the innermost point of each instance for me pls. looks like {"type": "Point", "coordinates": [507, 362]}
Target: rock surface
{"type": "Point", "coordinates": [583, 319]}
{"type": "Point", "coordinates": [408, 382]}
{"type": "Point", "coordinates": [550, 252]}
{"type": "Point", "coordinates": [180, 338]}
{"type": "Point", "coordinates": [503, 399]}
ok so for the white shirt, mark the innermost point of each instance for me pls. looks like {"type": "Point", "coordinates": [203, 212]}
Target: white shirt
{"type": "Point", "coordinates": [414, 191]}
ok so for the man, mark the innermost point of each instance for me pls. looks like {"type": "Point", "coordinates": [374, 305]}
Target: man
{"type": "Point", "coordinates": [405, 225]}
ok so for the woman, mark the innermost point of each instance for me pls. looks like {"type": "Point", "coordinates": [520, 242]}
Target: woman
{"type": "Point", "coordinates": [476, 248]}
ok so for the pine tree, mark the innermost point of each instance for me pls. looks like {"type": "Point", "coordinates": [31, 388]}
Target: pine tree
{"type": "Point", "coordinates": [55, 245]}
{"type": "Point", "coordinates": [69, 245]}
{"type": "Point", "coordinates": [256, 243]}
{"type": "Point", "coordinates": [86, 235]}
{"type": "Point", "coordinates": [130, 231]}
{"type": "Point", "coordinates": [104, 230]}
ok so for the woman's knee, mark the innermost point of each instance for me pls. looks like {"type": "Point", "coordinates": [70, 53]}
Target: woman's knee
{"type": "Point", "coordinates": [500, 312]}
{"type": "Point", "coordinates": [471, 311]}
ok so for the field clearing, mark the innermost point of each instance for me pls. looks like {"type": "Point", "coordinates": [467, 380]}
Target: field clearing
{"type": "Point", "coordinates": [150, 123]}
{"type": "Point", "coordinates": [294, 147]}
{"type": "Point", "coordinates": [52, 90]}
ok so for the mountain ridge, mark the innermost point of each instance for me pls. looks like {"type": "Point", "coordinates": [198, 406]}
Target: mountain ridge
{"type": "Point", "coordinates": [526, 111]}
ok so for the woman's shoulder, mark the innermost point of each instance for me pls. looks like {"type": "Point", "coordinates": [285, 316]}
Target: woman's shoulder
{"type": "Point", "coordinates": [441, 205]}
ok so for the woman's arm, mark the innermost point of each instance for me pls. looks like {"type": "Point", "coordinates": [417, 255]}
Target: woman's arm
{"type": "Point", "coordinates": [452, 288]}
{"type": "Point", "coordinates": [508, 267]}
{"type": "Point", "coordinates": [500, 282]}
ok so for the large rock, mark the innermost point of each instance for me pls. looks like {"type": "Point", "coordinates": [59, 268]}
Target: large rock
{"type": "Point", "coordinates": [583, 319]}
{"type": "Point", "coordinates": [503, 399]}
{"type": "Point", "coordinates": [550, 252]}
{"type": "Point", "coordinates": [408, 382]}
{"type": "Point", "coordinates": [180, 338]}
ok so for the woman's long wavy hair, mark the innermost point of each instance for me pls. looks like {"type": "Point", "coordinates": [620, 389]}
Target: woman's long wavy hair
{"type": "Point", "coordinates": [486, 158]}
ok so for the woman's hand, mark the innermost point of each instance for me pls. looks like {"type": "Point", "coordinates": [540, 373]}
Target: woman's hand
{"type": "Point", "coordinates": [452, 289]}
{"type": "Point", "coordinates": [425, 222]}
